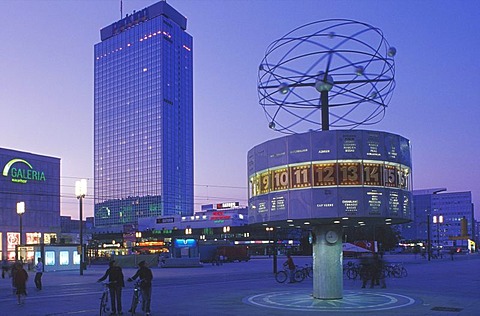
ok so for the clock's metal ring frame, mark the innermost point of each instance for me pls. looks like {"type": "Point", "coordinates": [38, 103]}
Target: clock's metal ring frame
{"type": "Point", "coordinates": [341, 69]}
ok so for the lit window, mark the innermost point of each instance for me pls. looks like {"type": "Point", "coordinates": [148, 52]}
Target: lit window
{"type": "Point", "coordinates": [64, 258]}
{"type": "Point", "coordinates": [49, 258]}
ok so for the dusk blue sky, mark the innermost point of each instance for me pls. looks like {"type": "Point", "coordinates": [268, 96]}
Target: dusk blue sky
{"type": "Point", "coordinates": [46, 83]}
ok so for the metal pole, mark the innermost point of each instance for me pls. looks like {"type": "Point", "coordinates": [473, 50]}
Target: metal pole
{"type": "Point", "coordinates": [325, 118]}
{"type": "Point", "coordinates": [428, 237]}
{"type": "Point", "coordinates": [274, 253]}
{"type": "Point", "coordinates": [21, 229]}
{"type": "Point", "coordinates": [81, 235]}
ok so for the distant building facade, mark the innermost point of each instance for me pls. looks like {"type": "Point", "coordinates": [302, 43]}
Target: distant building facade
{"type": "Point", "coordinates": [450, 215]}
{"type": "Point", "coordinates": [70, 230]}
{"type": "Point", "coordinates": [35, 180]}
{"type": "Point", "coordinates": [143, 118]}
{"type": "Point", "coordinates": [212, 216]}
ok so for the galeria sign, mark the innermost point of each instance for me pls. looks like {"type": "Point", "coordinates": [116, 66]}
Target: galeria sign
{"type": "Point", "coordinates": [20, 171]}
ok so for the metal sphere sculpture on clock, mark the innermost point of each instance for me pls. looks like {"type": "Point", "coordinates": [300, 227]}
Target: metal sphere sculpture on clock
{"type": "Point", "coordinates": [331, 73]}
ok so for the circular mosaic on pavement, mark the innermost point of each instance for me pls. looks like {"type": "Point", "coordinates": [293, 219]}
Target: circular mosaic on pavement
{"type": "Point", "coordinates": [302, 300]}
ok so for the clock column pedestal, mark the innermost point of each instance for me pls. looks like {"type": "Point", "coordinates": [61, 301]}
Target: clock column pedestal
{"type": "Point", "coordinates": [327, 262]}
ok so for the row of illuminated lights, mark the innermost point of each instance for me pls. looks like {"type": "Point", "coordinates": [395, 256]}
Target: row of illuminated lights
{"type": "Point", "coordinates": [144, 38]}
{"type": "Point", "coordinates": [336, 173]}
{"type": "Point", "coordinates": [284, 242]}
{"type": "Point", "coordinates": [64, 257]}
{"type": "Point", "coordinates": [290, 222]}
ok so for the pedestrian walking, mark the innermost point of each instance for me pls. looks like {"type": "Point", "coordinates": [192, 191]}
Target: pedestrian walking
{"type": "Point", "coordinates": [38, 274]}
{"type": "Point", "coordinates": [116, 283]}
{"type": "Point", "coordinates": [145, 275]}
{"type": "Point", "coordinates": [378, 276]}
{"type": "Point", "coordinates": [366, 270]}
{"type": "Point", "coordinates": [290, 265]}
{"type": "Point", "coordinates": [20, 281]}
{"type": "Point", "coordinates": [5, 268]}
{"type": "Point", "coordinates": [13, 272]}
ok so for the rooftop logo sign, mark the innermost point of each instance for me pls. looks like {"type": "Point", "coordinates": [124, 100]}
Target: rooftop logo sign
{"type": "Point", "coordinates": [130, 20]}
{"type": "Point", "coordinates": [22, 171]}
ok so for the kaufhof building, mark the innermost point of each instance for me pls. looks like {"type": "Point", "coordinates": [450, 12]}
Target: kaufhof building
{"type": "Point", "coordinates": [34, 180]}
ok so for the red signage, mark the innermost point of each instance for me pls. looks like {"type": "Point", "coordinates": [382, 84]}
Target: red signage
{"type": "Point", "coordinates": [219, 215]}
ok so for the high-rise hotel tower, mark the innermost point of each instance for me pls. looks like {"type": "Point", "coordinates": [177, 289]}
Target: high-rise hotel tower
{"type": "Point", "coordinates": [143, 117]}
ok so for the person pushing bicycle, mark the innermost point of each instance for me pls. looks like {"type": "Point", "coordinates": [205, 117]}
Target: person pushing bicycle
{"type": "Point", "coordinates": [116, 282]}
{"type": "Point", "coordinates": [146, 276]}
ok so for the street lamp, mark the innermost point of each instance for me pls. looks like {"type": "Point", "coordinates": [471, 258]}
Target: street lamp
{"type": "Point", "coordinates": [20, 212]}
{"type": "Point", "coordinates": [428, 237]}
{"type": "Point", "coordinates": [80, 192]}
{"type": "Point", "coordinates": [438, 220]}
{"type": "Point", "coordinates": [138, 236]}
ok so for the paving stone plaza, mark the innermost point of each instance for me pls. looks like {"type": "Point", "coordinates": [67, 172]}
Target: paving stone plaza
{"type": "Point", "coordinates": [436, 287]}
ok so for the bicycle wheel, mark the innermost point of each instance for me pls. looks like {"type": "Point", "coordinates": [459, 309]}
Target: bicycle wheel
{"type": "Point", "coordinates": [403, 272]}
{"type": "Point", "coordinates": [352, 274]}
{"type": "Point", "coordinates": [396, 272]}
{"type": "Point", "coordinates": [133, 307]}
{"type": "Point", "coordinates": [103, 304]}
{"type": "Point", "coordinates": [299, 276]}
{"type": "Point", "coordinates": [281, 276]}
{"type": "Point", "coordinates": [309, 272]}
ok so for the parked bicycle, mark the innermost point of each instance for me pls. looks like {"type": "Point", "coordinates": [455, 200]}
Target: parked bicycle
{"type": "Point", "coordinates": [396, 270]}
{"type": "Point", "coordinates": [351, 270]}
{"type": "Point", "coordinates": [136, 297]}
{"type": "Point", "coordinates": [307, 270]}
{"type": "Point", "coordinates": [104, 308]}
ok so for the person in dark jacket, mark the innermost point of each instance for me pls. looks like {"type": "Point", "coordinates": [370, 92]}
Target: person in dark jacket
{"type": "Point", "coordinates": [116, 283]}
{"type": "Point", "coordinates": [146, 276]}
{"type": "Point", "coordinates": [20, 281]}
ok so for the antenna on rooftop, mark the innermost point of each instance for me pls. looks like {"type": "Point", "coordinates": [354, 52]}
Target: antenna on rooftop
{"type": "Point", "coordinates": [121, 9]}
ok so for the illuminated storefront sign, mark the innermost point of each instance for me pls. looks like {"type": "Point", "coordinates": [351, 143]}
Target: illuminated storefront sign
{"type": "Point", "coordinates": [20, 171]}
{"type": "Point", "coordinates": [13, 239]}
{"type": "Point", "coordinates": [227, 205]}
{"type": "Point", "coordinates": [34, 238]}
{"type": "Point", "coordinates": [48, 237]}
{"type": "Point", "coordinates": [150, 243]}
{"type": "Point", "coordinates": [219, 215]}
{"type": "Point", "coordinates": [185, 243]}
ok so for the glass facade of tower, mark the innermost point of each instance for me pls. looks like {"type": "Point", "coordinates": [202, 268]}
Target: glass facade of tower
{"type": "Point", "coordinates": [143, 118]}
